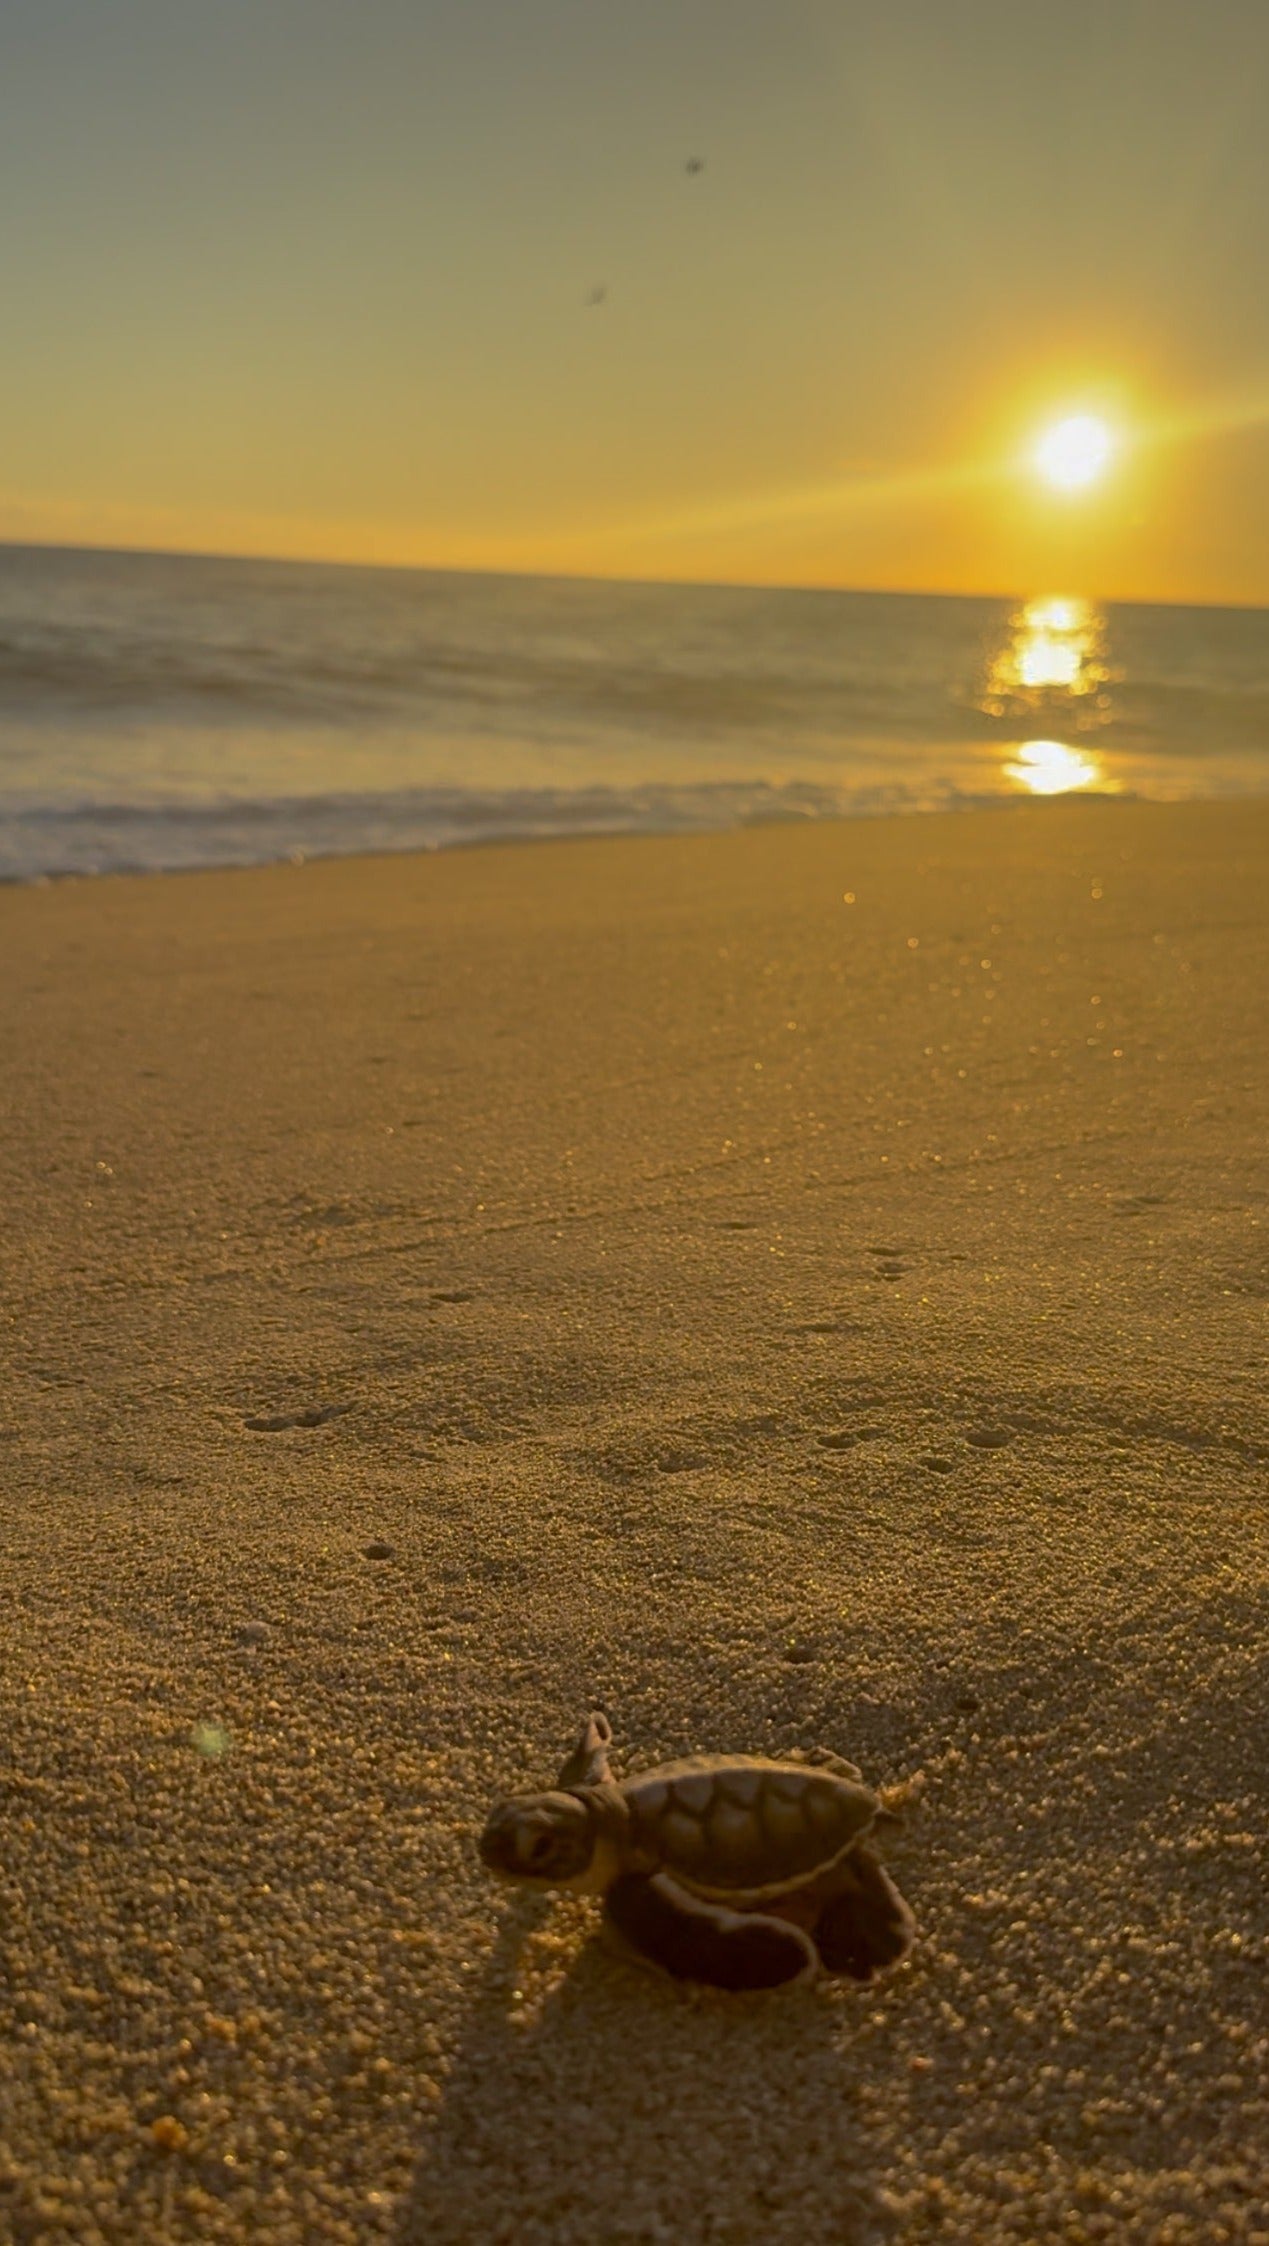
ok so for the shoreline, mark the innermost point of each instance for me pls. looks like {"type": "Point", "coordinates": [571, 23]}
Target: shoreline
{"type": "Point", "coordinates": [469, 1286]}
{"type": "Point", "coordinates": [1016, 800]}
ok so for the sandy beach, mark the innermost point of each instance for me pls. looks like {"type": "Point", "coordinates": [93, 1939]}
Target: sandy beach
{"type": "Point", "coordinates": [803, 1286]}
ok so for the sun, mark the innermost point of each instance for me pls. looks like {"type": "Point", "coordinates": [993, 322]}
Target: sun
{"type": "Point", "coordinates": [1075, 452]}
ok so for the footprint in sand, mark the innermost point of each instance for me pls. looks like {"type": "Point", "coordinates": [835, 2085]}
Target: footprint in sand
{"type": "Point", "coordinates": [313, 1415]}
{"type": "Point", "coordinates": [989, 1438]}
{"type": "Point", "coordinates": [800, 1654]}
{"type": "Point", "coordinates": [889, 1263]}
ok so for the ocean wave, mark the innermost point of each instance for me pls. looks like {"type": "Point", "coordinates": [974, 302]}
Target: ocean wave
{"type": "Point", "coordinates": [438, 693]}
{"type": "Point", "coordinates": [437, 689]}
{"type": "Point", "coordinates": [57, 840]}
{"type": "Point", "coordinates": [164, 711]}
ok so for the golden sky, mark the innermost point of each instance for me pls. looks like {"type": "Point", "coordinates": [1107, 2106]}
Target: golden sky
{"type": "Point", "coordinates": [430, 281]}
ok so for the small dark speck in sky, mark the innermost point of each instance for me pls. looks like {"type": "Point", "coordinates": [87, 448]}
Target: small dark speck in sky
{"type": "Point", "coordinates": [694, 164]}
{"type": "Point", "coordinates": [598, 295]}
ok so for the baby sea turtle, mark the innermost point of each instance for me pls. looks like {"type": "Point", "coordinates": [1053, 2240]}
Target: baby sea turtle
{"type": "Point", "coordinates": [730, 1869]}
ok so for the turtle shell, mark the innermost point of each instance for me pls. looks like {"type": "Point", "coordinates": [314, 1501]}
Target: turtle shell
{"type": "Point", "coordinates": [742, 1828]}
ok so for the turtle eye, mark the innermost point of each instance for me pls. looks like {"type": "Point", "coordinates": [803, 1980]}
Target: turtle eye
{"type": "Point", "coordinates": [540, 1850]}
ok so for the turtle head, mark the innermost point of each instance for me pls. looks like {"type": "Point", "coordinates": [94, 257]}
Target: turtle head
{"type": "Point", "coordinates": [548, 1839]}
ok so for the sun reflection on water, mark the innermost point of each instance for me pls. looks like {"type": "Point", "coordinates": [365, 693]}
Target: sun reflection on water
{"type": "Point", "coordinates": [1051, 671]}
{"type": "Point", "coordinates": [1051, 768]}
{"type": "Point", "coordinates": [1051, 644]}
{"type": "Point", "coordinates": [1049, 661]}
{"type": "Point", "coordinates": [1055, 615]}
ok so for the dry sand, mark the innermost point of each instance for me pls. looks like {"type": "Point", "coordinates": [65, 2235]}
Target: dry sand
{"type": "Point", "coordinates": [781, 1320]}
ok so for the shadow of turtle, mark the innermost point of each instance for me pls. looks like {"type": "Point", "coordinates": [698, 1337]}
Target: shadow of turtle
{"type": "Point", "coordinates": [625, 2108]}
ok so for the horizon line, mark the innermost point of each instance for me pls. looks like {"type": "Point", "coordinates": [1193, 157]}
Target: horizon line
{"type": "Point", "coordinates": [601, 577]}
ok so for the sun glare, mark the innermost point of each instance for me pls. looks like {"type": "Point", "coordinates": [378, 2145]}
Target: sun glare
{"type": "Point", "coordinates": [1075, 452]}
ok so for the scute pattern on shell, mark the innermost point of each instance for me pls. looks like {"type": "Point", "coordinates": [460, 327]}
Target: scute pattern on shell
{"type": "Point", "coordinates": [740, 1825]}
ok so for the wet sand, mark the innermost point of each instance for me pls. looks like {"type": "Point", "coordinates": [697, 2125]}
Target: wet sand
{"type": "Point", "coordinates": [448, 1293]}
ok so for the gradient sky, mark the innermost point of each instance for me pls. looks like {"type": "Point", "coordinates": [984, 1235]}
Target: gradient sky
{"type": "Point", "coordinates": [311, 277]}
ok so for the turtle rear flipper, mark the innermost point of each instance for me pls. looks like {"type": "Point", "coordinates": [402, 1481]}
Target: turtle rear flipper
{"type": "Point", "coordinates": [697, 1940]}
{"type": "Point", "coordinates": [825, 1758]}
{"type": "Point", "coordinates": [866, 1926]}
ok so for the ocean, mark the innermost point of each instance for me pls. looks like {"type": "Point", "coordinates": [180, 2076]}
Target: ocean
{"type": "Point", "coordinates": [160, 712]}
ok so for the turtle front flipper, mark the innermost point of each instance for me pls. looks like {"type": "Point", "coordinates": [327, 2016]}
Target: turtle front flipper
{"type": "Point", "coordinates": [865, 1926]}
{"type": "Point", "coordinates": [696, 1940]}
{"type": "Point", "coordinates": [587, 1763]}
